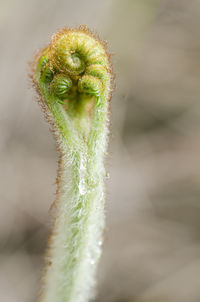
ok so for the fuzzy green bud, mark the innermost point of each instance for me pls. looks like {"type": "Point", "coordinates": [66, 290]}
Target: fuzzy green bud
{"type": "Point", "coordinates": [91, 85]}
{"type": "Point", "coordinates": [61, 85]}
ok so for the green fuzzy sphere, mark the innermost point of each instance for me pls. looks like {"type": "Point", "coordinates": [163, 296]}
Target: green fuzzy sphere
{"type": "Point", "coordinates": [60, 85]}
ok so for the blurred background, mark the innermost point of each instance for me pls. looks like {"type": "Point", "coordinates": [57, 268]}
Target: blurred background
{"type": "Point", "coordinates": [152, 240]}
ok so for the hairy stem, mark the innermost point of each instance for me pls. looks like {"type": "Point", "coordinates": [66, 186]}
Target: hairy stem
{"type": "Point", "coordinates": [73, 78]}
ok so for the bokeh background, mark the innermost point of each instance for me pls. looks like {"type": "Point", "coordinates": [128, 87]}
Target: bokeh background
{"type": "Point", "coordinates": [152, 240]}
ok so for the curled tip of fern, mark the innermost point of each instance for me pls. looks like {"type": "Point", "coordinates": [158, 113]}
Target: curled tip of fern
{"type": "Point", "coordinates": [75, 62]}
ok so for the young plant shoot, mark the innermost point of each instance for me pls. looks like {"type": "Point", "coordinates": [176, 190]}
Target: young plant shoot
{"type": "Point", "coordinates": [73, 77]}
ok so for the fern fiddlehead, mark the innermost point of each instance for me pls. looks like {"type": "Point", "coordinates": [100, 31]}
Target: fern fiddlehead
{"type": "Point", "coordinates": [73, 78]}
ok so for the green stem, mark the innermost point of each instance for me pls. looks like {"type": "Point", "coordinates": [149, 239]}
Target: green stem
{"type": "Point", "coordinates": [75, 247]}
